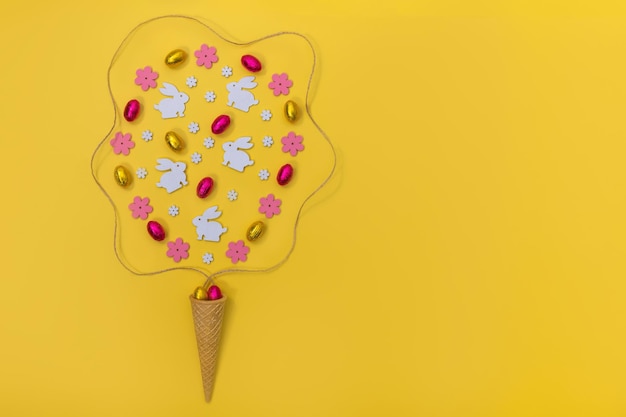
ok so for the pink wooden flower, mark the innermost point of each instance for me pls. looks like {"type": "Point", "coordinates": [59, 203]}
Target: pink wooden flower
{"type": "Point", "coordinates": [292, 143]}
{"type": "Point", "coordinates": [237, 251]}
{"type": "Point", "coordinates": [280, 84]}
{"type": "Point", "coordinates": [206, 56]}
{"type": "Point", "coordinates": [178, 250]}
{"type": "Point", "coordinates": [270, 206]}
{"type": "Point", "coordinates": [146, 78]}
{"type": "Point", "coordinates": [122, 143]}
{"type": "Point", "coordinates": [140, 207]}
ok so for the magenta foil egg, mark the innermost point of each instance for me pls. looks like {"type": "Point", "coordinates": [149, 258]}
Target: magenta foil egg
{"type": "Point", "coordinates": [204, 187]}
{"type": "Point", "coordinates": [214, 292]}
{"type": "Point", "coordinates": [131, 111]}
{"type": "Point", "coordinates": [284, 174]}
{"type": "Point", "coordinates": [220, 124]}
{"type": "Point", "coordinates": [251, 63]}
{"type": "Point", "coordinates": [156, 231]}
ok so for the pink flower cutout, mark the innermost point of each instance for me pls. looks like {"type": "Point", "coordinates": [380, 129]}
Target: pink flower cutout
{"type": "Point", "coordinates": [292, 143]}
{"type": "Point", "coordinates": [122, 143]}
{"type": "Point", "coordinates": [280, 84]}
{"type": "Point", "coordinates": [140, 207]}
{"type": "Point", "coordinates": [237, 251]}
{"type": "Point", "coordinates": [206, 56]}
{"type": "Point", "coordinates": [178, 250]}
{"type": "Point", "coordinates": [270, 206]}
{"type": "Point", "coordinates": [146, 78]}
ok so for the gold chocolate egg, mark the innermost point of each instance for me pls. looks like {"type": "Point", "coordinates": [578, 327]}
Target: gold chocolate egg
{"type": "Point", "coordinates": [174, 141]}
{"type": "Point", "coordinates": [255, 231]}
{"type": "Point", "coordinates": [175, 58]}
{"type": "Point", "coordinates": [291, 111]}
{"type": "Point", "coordinates": [122, 176]}
{"type": "Point", "coordinates": [200, 294]}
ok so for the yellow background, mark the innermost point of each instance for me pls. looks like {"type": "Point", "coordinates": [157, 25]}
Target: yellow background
{"type": "Point", "coordinates": [466, 260]}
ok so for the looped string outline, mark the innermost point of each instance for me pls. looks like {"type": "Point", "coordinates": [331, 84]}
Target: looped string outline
{"type": "Point", "coordinates": [210, 277]}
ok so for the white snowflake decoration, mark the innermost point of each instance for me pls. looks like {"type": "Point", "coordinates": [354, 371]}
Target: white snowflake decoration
{"type": "Point", "coordinates": [146, 135]}
{"type": "Point", "coordinates": [193, 127]}
{"type": "Point", "coordinates": [268, 141]}
{"type": "Point", "coordinates": [141, 173]}
{"type": "Point", "coordinates": [264, 174]}
{"type": "Point", "coordinates": [173, 210]}
{"type": "Point", "coordinates": [209, 96]}
{"type": "Point", "coordinates": [232, 195]}
{"type": "Point", "coordinates": [266, 115]}
{"type": "Point", "coordinates": [196, 158]}
{"type": "Point", "coordinates": [207, 258]}
{"type": "Point", "coordinates": [208, 143]}
{"type": "Point", "coordinates": [227, 71]}
{"type": "Point", "coordinates": [191, 82]}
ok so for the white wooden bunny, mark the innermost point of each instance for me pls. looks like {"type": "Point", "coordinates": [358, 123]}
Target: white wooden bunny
{"type": "Point", "coordinates": [238, 97]}
{"type": "Point", "coordinates": [175, 178]}
{"type": "Point", "coordinates": [236, 158]}
{"type": "Point", "coordinates": [173, 106]}
{"type": "Point", "coordinates": [207, 229]}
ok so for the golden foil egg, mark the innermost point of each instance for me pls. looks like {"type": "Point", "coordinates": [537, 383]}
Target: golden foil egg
{"type": "Point", "coordinates": [174, 141]}
{"type": "Point", "coordinates": [122, 176]}
{"type": "Point", "coordinates": [255, 231]}
{"type": "Point", "coordinates": [291, 111]}
{"type": "Point", "coordinates": [200, 294]}
{"type": "Point", "coordinates": [175, 58]}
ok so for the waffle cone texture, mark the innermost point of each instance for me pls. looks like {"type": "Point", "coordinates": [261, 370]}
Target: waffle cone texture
{"type": "Point", "coordinates": [207, 319]}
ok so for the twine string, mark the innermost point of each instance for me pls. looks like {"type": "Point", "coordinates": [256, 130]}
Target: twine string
{"type": "Point", "coordinates": [210, 277]}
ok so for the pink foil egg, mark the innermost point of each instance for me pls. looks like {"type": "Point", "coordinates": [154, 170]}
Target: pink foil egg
{"type": "Point", "coordinates": [131, 111]}
{"type": "Point", "coordinates": [284, 174]}
{"type": "Point", "coordinates": [220, 124]}
{"type": "Point", "coordinates": [251, 63]}
{"type": "Point", "coordinates": [156, 231]}
{"type": "Point", "coordinates": [204, 187]}
{"type": "Point", "coordinates": [214, 292]}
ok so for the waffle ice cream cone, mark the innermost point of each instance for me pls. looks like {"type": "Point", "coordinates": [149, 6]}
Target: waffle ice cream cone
{"type": "Point", "coordinates": [207, 319]}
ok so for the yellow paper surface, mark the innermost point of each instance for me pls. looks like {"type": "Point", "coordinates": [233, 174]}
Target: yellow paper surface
{"type": "Point", "coordinates": [465, 260]}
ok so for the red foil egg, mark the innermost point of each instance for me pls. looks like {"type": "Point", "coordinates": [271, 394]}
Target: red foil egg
{"type": "Point", "coordinates": [214, 292]}
{"type": "Point", "coordinates": [220, 124]}
{"type": "Point", "coordinates": [204, 187]}
{"type": "Point", "coordinates": [156, 231]}
{"type": "Point", "coordinates": [284, 174]}
{"type": "Point", "coordinates": [131, 111]}
{"type": "Point", "coordinates": [251, 63]}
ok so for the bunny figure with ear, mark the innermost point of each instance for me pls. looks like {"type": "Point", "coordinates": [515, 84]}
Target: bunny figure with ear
{"type": "Point", "coordinates": [207, 229]}
{"type": "Point", "coordinates": [238, 97]}
{"type": "Point", "coordinates": [175, 178]}
{"type": "Point", "coordinates": [173, 106]}
{"type": "Point", "coordinates": [236, 158]}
